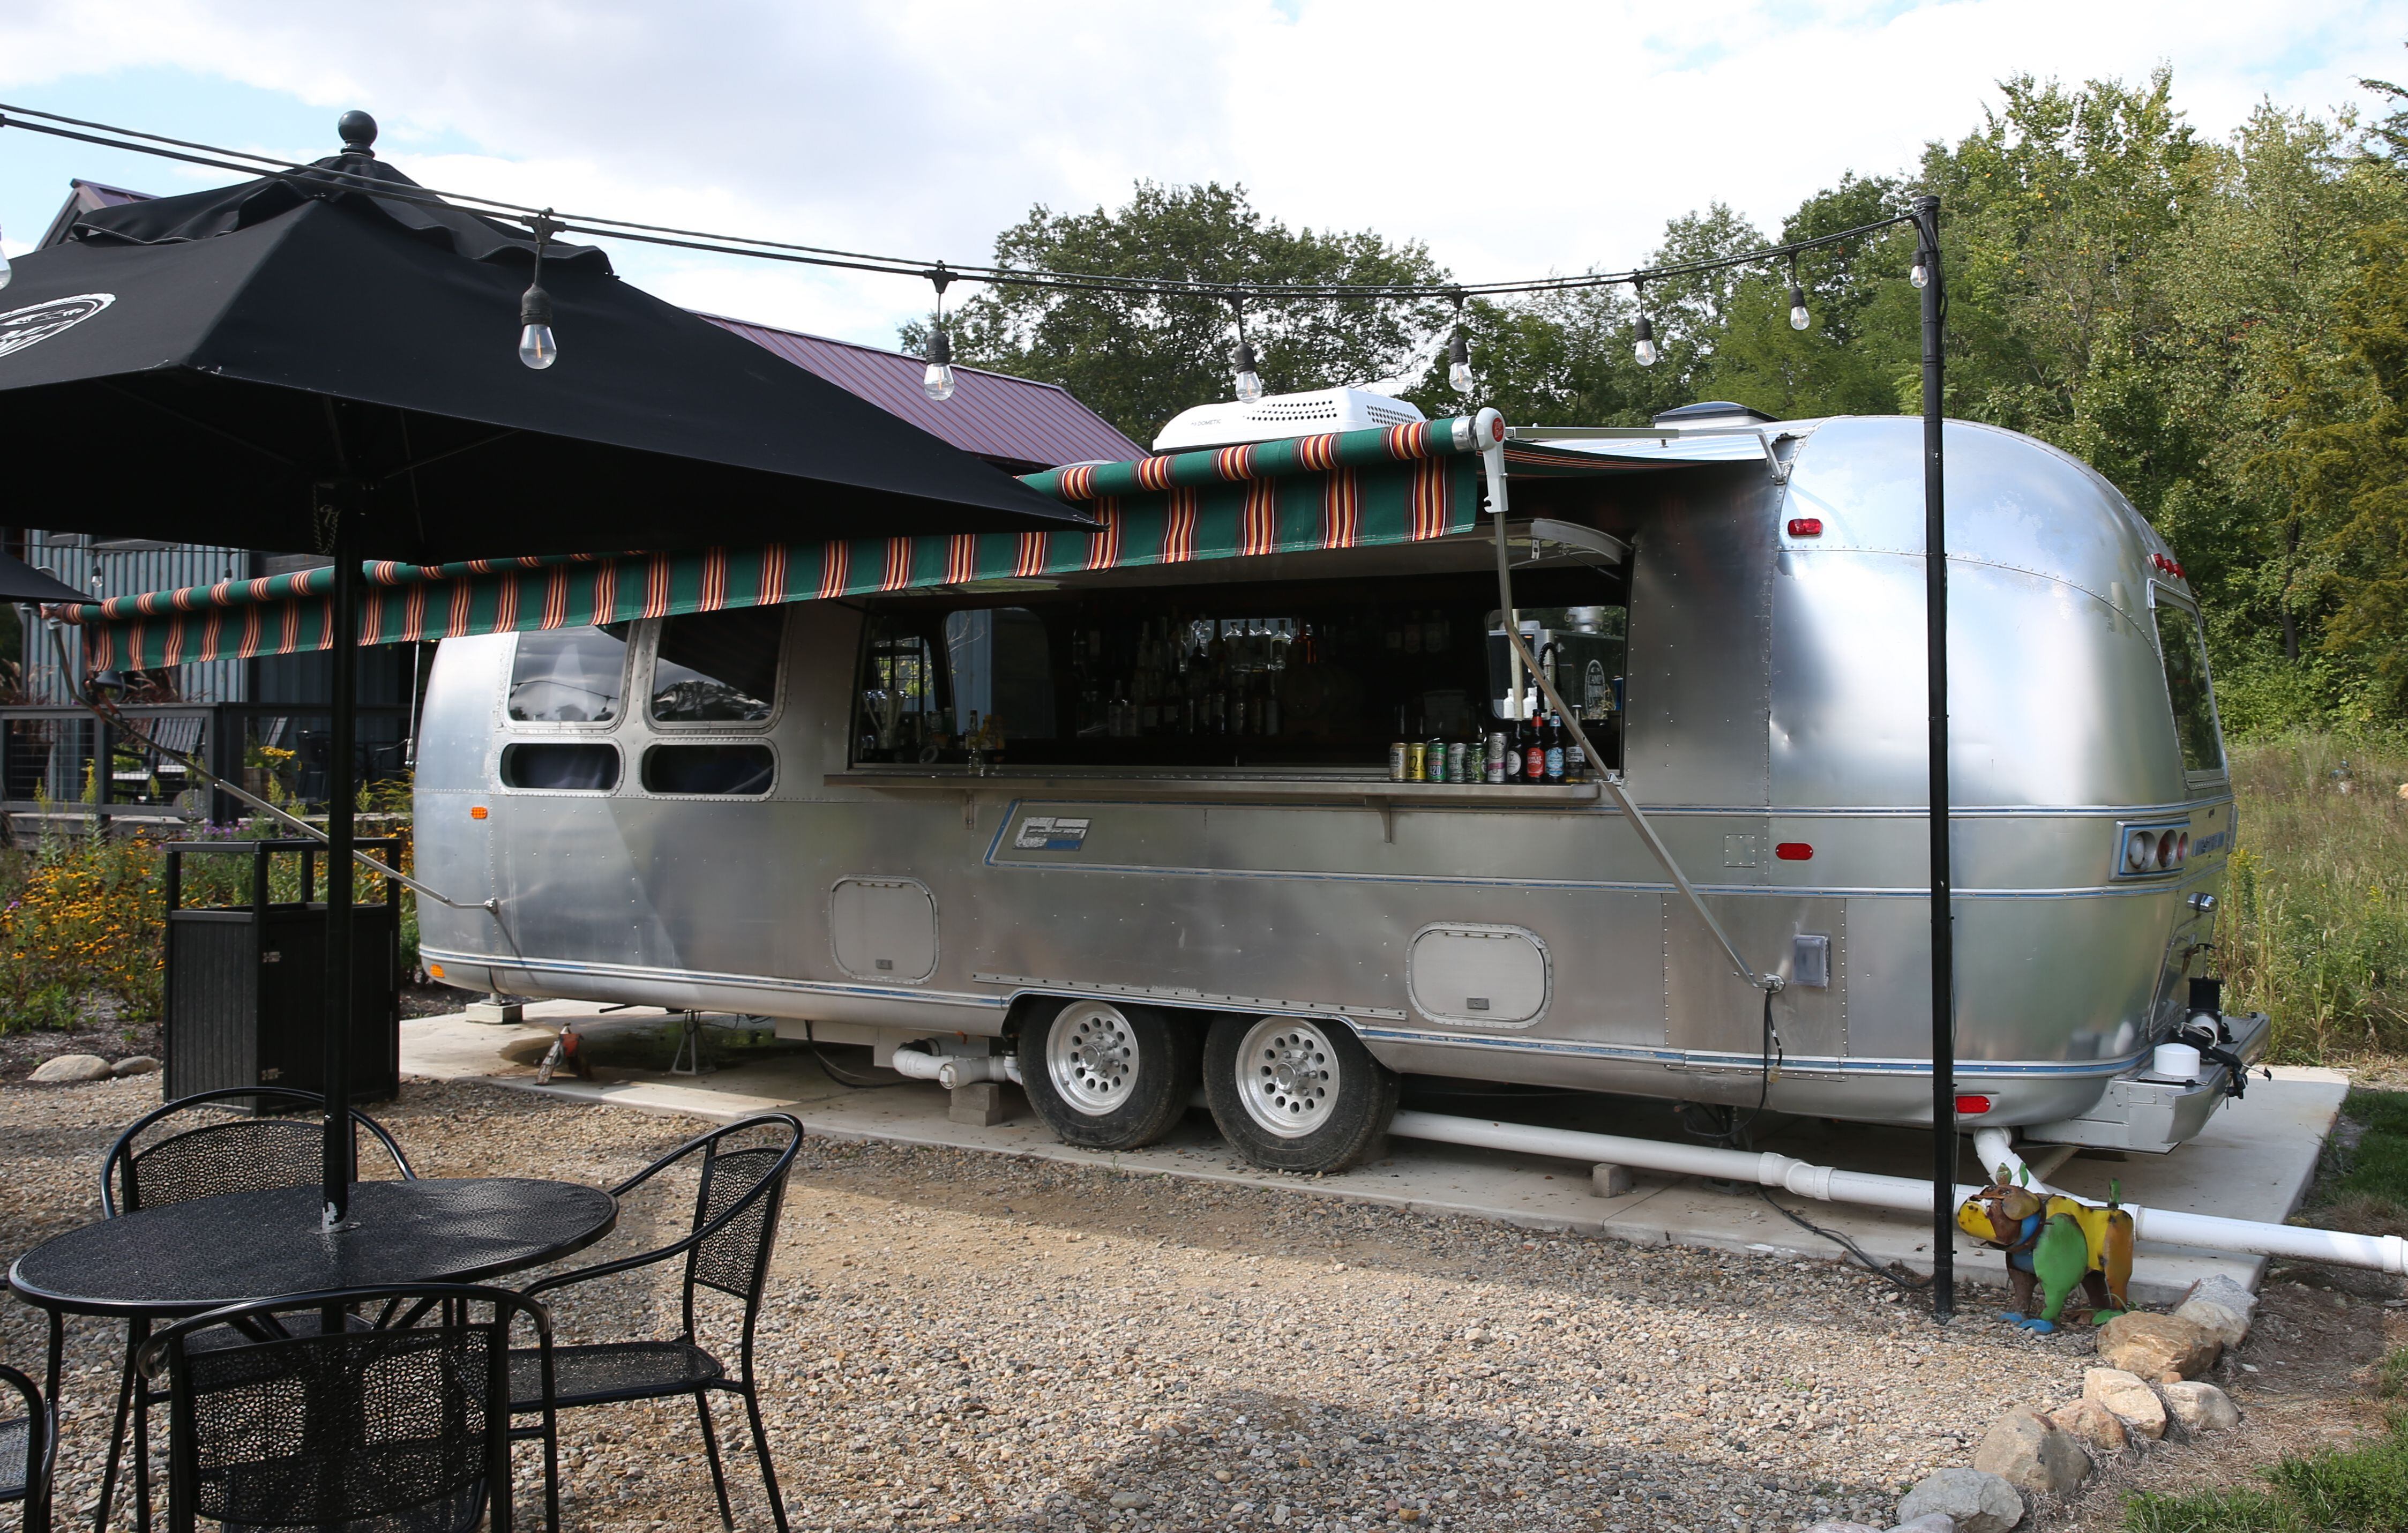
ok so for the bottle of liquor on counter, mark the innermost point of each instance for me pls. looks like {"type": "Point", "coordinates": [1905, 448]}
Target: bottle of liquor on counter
{"type": "Point", "coordinates": [1551, 739]}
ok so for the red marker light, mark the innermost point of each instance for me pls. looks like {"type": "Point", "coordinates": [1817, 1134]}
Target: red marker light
{"type": "Point", "coordinates": [1793, 852]}
{"type": "Point", "coordinates": [1972, 1107]}
{"type": "Point", "coordinates": [1805, 526]}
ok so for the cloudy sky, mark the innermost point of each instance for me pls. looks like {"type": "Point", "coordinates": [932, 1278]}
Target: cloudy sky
{"type": "Point", "coordinates": [1514, 137]}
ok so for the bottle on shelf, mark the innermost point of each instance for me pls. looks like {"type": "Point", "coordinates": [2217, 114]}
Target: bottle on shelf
{"type": "Point", "coordinates": [1576, 759]}
{"type": "Point", "coordinates": [1534, 753]}
{"type": "Point", "coordinates": [1551, 740]}
{"type": "Point", "coordinates": [1511, 742]}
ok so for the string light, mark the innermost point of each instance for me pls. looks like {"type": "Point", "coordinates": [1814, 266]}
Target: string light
{"type": "Point", "coordinates": [6, 272]}
{"type": "Point", "coordinates": [1242, 361]}
{"type": "Point", "coordinates": [1918, 274]}
{"type": "Point", "coordinates": [1458, 354]}
{"type": "Point", "coordinates": [937, 381]}
{"type": "Point", "coordinates": [1643, 341]}
{"type": "Point", "coordinates": [1798, 318]}
{"type": "Point", "coordinates": [537, 347]}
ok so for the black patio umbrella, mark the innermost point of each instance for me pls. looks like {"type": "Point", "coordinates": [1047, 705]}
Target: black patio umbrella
{"type": "Point", "coordinates": [21, 581]}
{"type": "Point", "coordinates": [328, 361]}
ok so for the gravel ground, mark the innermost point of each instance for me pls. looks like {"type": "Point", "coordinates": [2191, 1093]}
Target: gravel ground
{"type": "Point", "coordinates": [958, 1339]}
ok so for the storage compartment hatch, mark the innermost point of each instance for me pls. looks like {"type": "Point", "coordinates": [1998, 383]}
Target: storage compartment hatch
{"type": "Point", "coordinates": [883, 929]}
{"type": "Point", "coordinates": [1484, 976]}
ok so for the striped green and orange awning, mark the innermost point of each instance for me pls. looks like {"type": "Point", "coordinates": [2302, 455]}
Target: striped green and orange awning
{"type": "Point", "coordinates": [1397, 484]}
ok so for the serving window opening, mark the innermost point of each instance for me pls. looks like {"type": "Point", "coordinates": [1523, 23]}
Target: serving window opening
{"type": "Point", "coordinates": [1319, 676]}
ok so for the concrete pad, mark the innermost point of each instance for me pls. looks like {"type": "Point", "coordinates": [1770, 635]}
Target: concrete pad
{"type": "Point", "coordinates": [2254, 1160]}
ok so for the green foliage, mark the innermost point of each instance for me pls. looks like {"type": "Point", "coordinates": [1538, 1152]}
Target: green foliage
{"type": "Point", "coordinates": [2313, 928]}
{"type": "Point", "coordinates": [2363, 1490]}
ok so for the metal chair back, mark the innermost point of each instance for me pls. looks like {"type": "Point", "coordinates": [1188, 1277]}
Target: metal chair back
{"type": "Point", "coordinates": [405, 1424]}
{"type": "Point", "coordinates": [28, 1446]}
{"type": "Point", "coordinates": [235, 1153]}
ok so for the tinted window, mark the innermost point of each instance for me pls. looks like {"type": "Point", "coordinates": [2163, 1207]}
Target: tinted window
{"type": "Point", "coordinates": [1002, 664]}
{"type": "Point", "coordinates": [709, 768]}
{"type": "Point", "coordinates": [591, 767]}
{"type": "Point", "coordinates": [718, 667]}
{"type": "Point", "coordinates": [2185, 655]}
{"type": "Point", "coordinates": [570, 675]}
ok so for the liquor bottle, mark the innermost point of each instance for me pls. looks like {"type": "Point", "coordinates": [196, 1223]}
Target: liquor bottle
{"type": "Point", "coordinates": [1552, 739]}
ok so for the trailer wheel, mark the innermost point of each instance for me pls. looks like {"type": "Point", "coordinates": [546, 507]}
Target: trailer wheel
{"type": "Point", "coordinates": [1106, 1076]}
{"type": "Point", "coordinates": [1296, 1095]}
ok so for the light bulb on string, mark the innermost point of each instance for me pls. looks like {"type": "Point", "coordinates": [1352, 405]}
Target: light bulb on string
{"type": "Point", "coordinates": [1249, 382]}
{"type": "Point", "coordinates": [1458, 354]}
{"type": "Point", "coordinates": [1919, 273]}
{"type": "Point", "coordinates": [5, 272]}
{"type": "Point", "coordinates": [1642, 345]}
{"type": "Point", "coordinates": [937, 382]}
{"type": "Point", "coordinates": [539, 348]}
{"type": "Point", "coordinates": [1798, 316]}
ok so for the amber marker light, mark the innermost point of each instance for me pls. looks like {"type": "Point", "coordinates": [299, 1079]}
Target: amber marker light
{"type": "Point", "coordinates": [477, 811]}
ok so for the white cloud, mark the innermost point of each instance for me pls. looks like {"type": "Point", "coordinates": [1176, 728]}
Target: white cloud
{"type": "Point", "coordinates": [1513, 138]}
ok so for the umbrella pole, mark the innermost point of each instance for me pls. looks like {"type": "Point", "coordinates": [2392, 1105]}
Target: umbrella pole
{"type": "Point", "coordinates": [343, 620]}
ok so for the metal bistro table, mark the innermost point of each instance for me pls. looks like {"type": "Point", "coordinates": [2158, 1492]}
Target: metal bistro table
{"type": "Point", "coordinates": [185, 1258]}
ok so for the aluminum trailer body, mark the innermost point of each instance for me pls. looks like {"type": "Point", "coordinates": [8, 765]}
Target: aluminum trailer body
{"type": "Point", "coordinates": [1770, 724]}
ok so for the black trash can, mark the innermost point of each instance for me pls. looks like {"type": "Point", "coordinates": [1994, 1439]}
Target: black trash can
{"type": "Point", "coordinates": [246, 998]}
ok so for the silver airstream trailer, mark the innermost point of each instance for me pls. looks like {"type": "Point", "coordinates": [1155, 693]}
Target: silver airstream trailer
{"type": "Point", "coordinates": [1124, 828]}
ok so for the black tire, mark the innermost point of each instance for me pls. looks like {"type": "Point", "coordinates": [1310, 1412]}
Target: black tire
{"type": "Point", "coordinates": [1108, 1076]}
{"type": "Point", "coordinates": [1296, 1094]}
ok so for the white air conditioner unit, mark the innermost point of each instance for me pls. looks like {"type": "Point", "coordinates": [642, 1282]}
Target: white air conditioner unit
{"type": "Point", "coordinates": [1281, 415]}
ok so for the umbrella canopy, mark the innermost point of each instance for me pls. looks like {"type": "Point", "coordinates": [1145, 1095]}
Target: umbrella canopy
{"type": "Point", "coordinates": [190, 367]}
{"type": "Point", "coordinates": [21, 581]}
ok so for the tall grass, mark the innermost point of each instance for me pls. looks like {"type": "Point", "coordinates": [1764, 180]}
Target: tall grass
{"type": "Point", "coordinates": [2314, 927]}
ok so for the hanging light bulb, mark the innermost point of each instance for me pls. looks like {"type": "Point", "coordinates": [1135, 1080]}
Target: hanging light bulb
{"type": "Point", "coordinates": [537, 347]}
{"type": "Point", "coordinates": [937, 381]}
{"type": "Point", "coordinates": [1458, 354]}
{"type": "Point", "coordinates": [1642, 345]}
{"type": "Point", "coordinates": [1918, 274]}
{"type": "Point", "coordinates": [5, 272]}
{"type": "Point", "coordinates": [1249, 382]}
{"type": "Point", "coordinates": [1798, 318]}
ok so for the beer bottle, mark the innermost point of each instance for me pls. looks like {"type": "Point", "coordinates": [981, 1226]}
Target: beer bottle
{"type": "Point", "coordinates": [1551, 739]}
{"type": "Point", "coordinates": [1512, 732]}
{"type": "Point", "coordinates": [1576, 759]}
{"type": "Point", "coordinates": [1534, 753]}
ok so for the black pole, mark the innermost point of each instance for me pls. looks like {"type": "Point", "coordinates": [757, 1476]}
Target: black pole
{"type": "Point", "coordinates": [336, 503]}
{"type": "Point", "coordinates": [1935, 650]}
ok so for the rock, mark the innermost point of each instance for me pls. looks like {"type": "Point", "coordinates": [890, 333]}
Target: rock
{"type": "Point", "coordinates": [1851, 1528]}
{"type": "Point", "coordinates": [1930, 1522]}
{"type": "Point", "coordinates": [1977, 1502]}
{"type": "Point", "coordinates": [2150, 1345]}
{"type": "Point", "coordinates": [2221, 1305]}
{"type": "Point", "coordinates": [133, 1064]}
{"type": "Point", "coordinates": [1124, 1500]}
{"type": "Point", "coordinates": [72, 1067]}
{"type": "Point", "coordinates": [2130, 1396]}
{"type": "Point", "coordinates": [2030, 1453]}
{"type": "Point", "coordinates": [2092, 1425]}
{"type": "Point", "coordinates": [2200, 1408]}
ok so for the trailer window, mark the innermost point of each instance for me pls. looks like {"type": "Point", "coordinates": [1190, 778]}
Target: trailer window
{"type": "Point", "coordinates": [561, 766]}
{"type": "Point", "coordinates": [717, 667]}
{"type": "Point", "coordinates": [570, 675]}
{"type": "Point", "coordinates": [1315, 675]}
{"type": "Point", "coordinates": [739, 770]}
{"type": "Point", "coordinates": [2185, 652]}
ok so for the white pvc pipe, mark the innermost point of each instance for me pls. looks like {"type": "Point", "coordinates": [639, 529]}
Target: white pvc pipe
{"type": "Point", "coordinates": [918, 1066]}
{"type": "Point", "coordinates": [954, 1071]}
{"type": "Point", "coordinates": [2378, 1253]}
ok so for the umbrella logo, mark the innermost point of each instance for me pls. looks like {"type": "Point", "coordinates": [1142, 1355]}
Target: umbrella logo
{"type": "Point", "coordinates": [22, 327]}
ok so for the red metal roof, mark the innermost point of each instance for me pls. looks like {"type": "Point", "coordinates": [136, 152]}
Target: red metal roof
{"type": "Point", "coordinates": [1012, 422]}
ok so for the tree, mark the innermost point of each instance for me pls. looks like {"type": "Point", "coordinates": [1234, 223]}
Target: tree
{"type": "Point", "coordinates": [1138, 359]}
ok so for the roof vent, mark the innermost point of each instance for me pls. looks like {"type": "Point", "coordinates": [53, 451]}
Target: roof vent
{"type": "Point", "coordinates": [1712, 413]}
{"type": "Point", "coordinates": [1230, 422]}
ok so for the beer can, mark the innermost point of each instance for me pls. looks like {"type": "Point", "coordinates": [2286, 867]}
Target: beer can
{"type": "Point", "coordinates": [1417, 764]}
{"type": "Point", "coordinates": [1397, 762]}
{"type": "Point", "coordinates": [1496, 768]}
{"type": "Point", "coordinates": [1458, 762]}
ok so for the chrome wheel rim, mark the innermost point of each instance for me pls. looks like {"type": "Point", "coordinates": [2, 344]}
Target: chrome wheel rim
{"type": "Point", "coordinates": [1091, 1056]}
{"type": "Point", "coordinates": [1288, 1076]}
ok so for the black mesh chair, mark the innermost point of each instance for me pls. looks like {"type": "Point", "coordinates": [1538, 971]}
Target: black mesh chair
{"type": "Point", "coordinates": [737, 1196]}
{"type": "Point", "coordinates": [226, 1150]}
{"type": "Point", "coordinates": [28, 1447]}
{"type": "Point", "coordinates": [400, 1425]}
